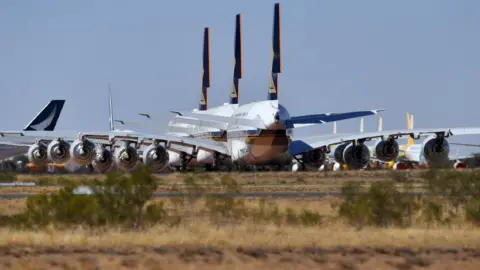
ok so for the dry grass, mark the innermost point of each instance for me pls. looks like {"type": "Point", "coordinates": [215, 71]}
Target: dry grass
{"type": "Point", "coordinates": [197, 229]}
{"type": "Point", "coordinates": [245, 235]}
{"type": "Point", "coordinates": [253, 177]}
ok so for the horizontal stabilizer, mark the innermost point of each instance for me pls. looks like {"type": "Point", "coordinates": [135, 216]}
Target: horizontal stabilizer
{"type": "Point", "coordinates": [327, 117]}
{"type": "Point", "coordinates": [199, 122]}
{"type": "Point", "coordinates": [209, 120]}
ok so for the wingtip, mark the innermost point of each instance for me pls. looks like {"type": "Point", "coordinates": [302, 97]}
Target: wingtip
{"type": "Point", "coordinates": [145, 114]}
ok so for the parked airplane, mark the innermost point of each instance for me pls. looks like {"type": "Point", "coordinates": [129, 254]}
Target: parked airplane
{"type": "Point", "coordinates": [46, 119]}
{"type": "Point", "coordinates": [178, 156]}
{"type": "Point", "coordinates": [257, 134]}
{"type": "Point", "coordinates": [410, 154]}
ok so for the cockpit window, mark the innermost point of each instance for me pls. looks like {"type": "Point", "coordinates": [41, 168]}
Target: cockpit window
{"type": "Point", "coordinates": [277, 116]}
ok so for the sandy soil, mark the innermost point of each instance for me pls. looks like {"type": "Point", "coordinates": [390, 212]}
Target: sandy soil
{"type": "Point", "coordinates": [241, 258]}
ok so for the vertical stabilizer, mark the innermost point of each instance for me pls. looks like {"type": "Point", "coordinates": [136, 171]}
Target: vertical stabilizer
{"type": "Point", "coordinates": [380, 123]}
{"type": "Point", "coordinates": [237, 61]}
{"type": "Point", "coordinates": [110, 108]}
{"type": "Point", "coordinates": [361, 124]}
{"type": "Point", "coordinates": [409, 127]}
{"type": "Point", "coordinates": [205, 70]}
{"type": "Point", "coordinates": [47, 118]}
{"type": "Point", "coordinates": [276, 55]}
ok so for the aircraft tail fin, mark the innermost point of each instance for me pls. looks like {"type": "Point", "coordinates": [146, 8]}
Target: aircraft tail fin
{"type": "Point", "coordinates": [110, 109]}
{"type": "Point", "coordinates": [47, 118]}
{"type": "Point", "coordinates": [276, 55]}
{"type": "Point", "coordinates": [237, 69]}
{"type": "Point", "coordinates": [409, 127]}
{"type": "Point", "coordinates": [205, 71]}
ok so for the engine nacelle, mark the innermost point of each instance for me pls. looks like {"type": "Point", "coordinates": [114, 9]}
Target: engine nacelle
{"type": "Point", "coordinates": [435, 150]}
{"type": "Point", "coordinates": [155, 157]}
{"type": "Point", "coordinates": [314, 158]}
{"type": "Point", "coordinates": [387, 150]}
{"type": "Point", "coordinates": [37, 154]}
{"type": "Point", "coordinates": [82, 152]}
{"type": "Point", "coordinates": [459, 164]}
{"type": "Point", "coordinates": [103, 160]}
{"type": "Point", "coordinates": [126, 158]}
{"type": "Point", "coordinates": [58, 151]}
{"type": "Point", "coordinates": [356, 156]}
{"type": "Point", "coordinates": [338, 153]}
{"type": "Point", "coordinates": [400, 166]}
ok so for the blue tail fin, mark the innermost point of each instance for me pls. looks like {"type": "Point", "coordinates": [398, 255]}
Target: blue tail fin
{"type": "Point", "coordinates": [47, 119]}
{"type": "Point", "coordinates": [276, 55]}
{"type": "Point", "coordinates": [205, 71]}
{"type": "Point", "coordinates": [237, 69]}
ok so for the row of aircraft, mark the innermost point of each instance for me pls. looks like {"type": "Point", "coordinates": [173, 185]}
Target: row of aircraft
{"type": "Point", "coordinates": [409, 156]}
{"type": "Point", "coordinates": [252, 134]}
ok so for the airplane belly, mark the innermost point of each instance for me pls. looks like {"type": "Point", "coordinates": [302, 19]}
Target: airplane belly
{"type": "Point", "coordinates": [261, 150]}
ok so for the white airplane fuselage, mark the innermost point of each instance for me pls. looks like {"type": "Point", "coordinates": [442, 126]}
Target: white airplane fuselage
{"type": "Point", "coordinates": [247, 145]}
{"type": "Point", "coordinates": [269, 146]}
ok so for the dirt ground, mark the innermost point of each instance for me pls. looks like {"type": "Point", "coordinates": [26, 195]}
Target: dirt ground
{"type": "Point", "coordinates": [240, 258]}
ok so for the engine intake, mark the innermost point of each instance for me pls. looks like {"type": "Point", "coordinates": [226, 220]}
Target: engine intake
{"type": "Point", "coordinates": [435, 150]}
{"type": "Point", "coordinates": [126, 158]}
{"type": "Point", "coordinates": [155, 157]}
{"type": "Point", "coordinates": [356, 156]}
{"type": "Point", "coordinates": [314, 158]}
{"type": "Point", "coordinates": [387, 150]}
{"type": "Point", "coordinates": [37, 154]}
{"type": "Point", "coordinates": [58, 151]}
{"type": "Point", "coordinates": [83, 152]}
{"type": "Point", "coordinates": [103, 160]}
{"type": "Point", "coordinates": [338, 153]}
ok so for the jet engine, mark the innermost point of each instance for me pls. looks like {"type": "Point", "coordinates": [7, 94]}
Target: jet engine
{"type": "Point", "coordinates": [356, 156]}
{"type": "Point", "coordinates": [156, 157]}
{"type": "Point", "coordinates": [58, 151]}
{"type": "Point", "coordinates": [37, 154]}
{"type": "Point", "coordinates": [103, 160]}
{"type": "Point", "coordinates": [435, 150]}
{"type": "Point", "coordinates": [338, 153]}
{"type": "Point", "coordinates": [387, 150]}
{"type": "Point", "coordinates": [459, 164]}
{"type": "Point", "coordinates": [314, 158]}
{"type": "Point", "coordinates": [126, 157]}
{"type": "Point", "coordinates": [82, 152]}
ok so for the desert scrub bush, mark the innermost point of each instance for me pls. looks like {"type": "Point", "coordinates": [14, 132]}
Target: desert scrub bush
{"type": "Point", "coordinates": [382, 205]}
{"type": "Point", "coordinates": [8, 177]}
{"type": "Point", "coordinates": [118, 201]}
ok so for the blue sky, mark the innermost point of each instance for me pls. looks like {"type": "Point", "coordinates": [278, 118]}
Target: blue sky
{"type": "Point", "coordinates": [417, 56]}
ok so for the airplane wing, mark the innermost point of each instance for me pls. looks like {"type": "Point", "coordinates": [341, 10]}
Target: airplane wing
{"type": "Point", "coordinates": [310, 143]}
{"type": "Point", "coordinates": [306, 120]}
{"type": "Point", "coordinates": [216, 121]}
{"type": "Point", "coordinates": [147, 139]}
{"type": "Point", "coordinates": [27, 138]}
